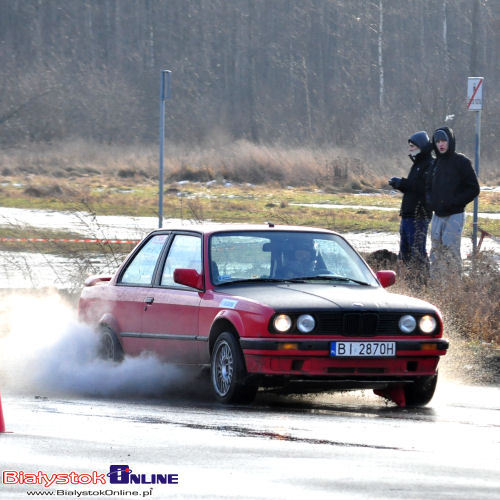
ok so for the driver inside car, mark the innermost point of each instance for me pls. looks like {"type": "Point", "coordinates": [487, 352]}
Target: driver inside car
{"type": "Point", "coordinates": [300, 260]}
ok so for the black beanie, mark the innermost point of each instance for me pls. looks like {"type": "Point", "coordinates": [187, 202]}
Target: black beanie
{"type": "Point", "coordinates": [441, 135]}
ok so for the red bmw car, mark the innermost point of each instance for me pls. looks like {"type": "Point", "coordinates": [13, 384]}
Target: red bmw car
{"type": "Point", "coordinates": [286, 308]}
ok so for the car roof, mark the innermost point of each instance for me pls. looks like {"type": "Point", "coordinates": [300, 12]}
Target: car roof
{"type": "Point", "coordinates": [212, 227]}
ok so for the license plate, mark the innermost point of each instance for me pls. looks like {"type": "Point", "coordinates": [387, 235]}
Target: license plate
{"type": "Point", "coordinates": [363, 349]}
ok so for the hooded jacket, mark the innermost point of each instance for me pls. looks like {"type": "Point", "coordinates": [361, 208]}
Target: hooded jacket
{"type": "Point", "coordinates": [452, 182]}
{"type": "Point", "coordinates": [413, 187]}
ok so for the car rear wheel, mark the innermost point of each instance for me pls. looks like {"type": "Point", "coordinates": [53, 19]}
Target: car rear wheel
{"type": "Point", "coordinates": [421, 391]}
{"type": "Point", "coordinates": [109, 347]}
{"type": "Point", "coordinates": [228, 374]}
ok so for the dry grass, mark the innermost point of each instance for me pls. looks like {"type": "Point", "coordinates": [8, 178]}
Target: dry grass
{"type": "Point", "coordinates": [332, 169]}
{"type": "Point", "coordinates": [243, 161]}
{"type": "Point", "coordinates": [470, 304]}
{"type": "Point", "coordinates": [239, 161]}
{"type": "Point", "coordinates": [470, 307]}
{"type": "Point", "coordinates": [75, 158]}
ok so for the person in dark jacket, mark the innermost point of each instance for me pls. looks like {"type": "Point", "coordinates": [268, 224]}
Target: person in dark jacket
{"type": "Point", "coordinates": [452, 185]}
{"type": "Point", "coordinates": [415, 215]}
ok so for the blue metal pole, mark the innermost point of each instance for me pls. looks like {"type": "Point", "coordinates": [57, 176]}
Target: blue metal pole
{"type": "Point", "coordinates": [164, 94]}
{"type": "Point", "coordinates": [476, 165]}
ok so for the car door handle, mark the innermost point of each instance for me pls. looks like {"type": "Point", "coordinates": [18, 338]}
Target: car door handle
{"type": "Point", "coordinates": [149, 300]}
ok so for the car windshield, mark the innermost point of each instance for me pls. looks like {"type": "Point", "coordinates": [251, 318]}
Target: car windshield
{"type": "Point", "coordinates": [270, 256]}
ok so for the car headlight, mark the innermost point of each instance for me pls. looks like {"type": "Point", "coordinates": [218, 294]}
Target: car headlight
{"type": "Point", "coordinates": [282, 323]}
{"type": "Point", "coordinates": [407, 323]}
{"type": "Point", "coordinates": [305, 323]}
{"type": "Point", "coordinates": [427, 324]}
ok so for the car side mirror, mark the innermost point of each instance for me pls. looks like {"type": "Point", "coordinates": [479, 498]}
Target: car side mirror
{"type": "Point", "coordinates": [386, 278]}
{"type": "Point", "coordinates": [189, 277]}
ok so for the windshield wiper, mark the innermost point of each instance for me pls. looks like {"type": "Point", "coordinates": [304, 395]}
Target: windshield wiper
{"type": "Point", "coordinates": [327, 277]}
{"type": "Point", "coordinates": [301, 279]}
{"type": "Point", "coordinates": [252, 280]}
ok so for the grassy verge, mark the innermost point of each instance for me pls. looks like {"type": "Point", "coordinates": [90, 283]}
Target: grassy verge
{"type": "Point", "coordinates": [221, 202]}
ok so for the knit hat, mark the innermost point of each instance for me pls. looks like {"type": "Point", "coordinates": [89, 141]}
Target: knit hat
{"type": "Point", "coordinates": [441, 135]}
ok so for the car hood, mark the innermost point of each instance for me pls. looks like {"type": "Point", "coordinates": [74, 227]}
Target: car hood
{"type": "Point", "coordinates": [306, 296]}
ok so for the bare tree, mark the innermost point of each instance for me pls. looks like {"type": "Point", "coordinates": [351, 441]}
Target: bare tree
{"type": "Point", "coordinates": [315, 71]}
{"type": "Point", "coordinates": [380, 53]}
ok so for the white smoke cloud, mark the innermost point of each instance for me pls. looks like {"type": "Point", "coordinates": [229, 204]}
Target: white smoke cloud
{"type": "Point", "coordinates": [44, 350]}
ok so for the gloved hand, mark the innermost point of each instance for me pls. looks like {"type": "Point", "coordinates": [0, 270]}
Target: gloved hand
{"type": "Point", "coordinates": [395, 182]}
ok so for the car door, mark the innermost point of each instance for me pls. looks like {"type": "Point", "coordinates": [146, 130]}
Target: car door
{"type": "Point", "coordinates": [134, 285]}
{"type": "Point", "coordinates": [170, 320]}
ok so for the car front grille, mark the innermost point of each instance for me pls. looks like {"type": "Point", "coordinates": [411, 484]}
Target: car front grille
{"type": "Point", "coordinates": [358, 324]}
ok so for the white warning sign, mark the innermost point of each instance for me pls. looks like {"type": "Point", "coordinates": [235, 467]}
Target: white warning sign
{"type": "Point", "coordinates": [475, 93]}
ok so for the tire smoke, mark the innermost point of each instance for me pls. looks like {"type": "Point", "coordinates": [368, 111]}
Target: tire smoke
{"type": "Point", "coordinates": [44, 350]}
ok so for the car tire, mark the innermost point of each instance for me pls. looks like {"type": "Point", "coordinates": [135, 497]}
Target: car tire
{"type": "Point", "coordinates": [228, 374]}
{"type": "Point", "coordinates": [110, 348]}
{"type": "Point", "coordinates": [421, 391]}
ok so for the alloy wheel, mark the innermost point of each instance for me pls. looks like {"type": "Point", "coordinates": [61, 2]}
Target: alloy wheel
{"type": "Point", "coordinates": [224, 367]}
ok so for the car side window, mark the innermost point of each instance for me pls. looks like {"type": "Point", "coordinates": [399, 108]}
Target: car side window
{"type": "Point", "coordinates": [140, 270]}
{"type": "Point", "coordinates": [184, 253]}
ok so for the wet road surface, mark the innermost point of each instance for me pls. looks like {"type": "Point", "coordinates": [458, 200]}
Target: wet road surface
{"type": "Point", "coordinates": [342, 445]}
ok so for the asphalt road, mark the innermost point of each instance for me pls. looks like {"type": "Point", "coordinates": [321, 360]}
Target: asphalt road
{"type": "Point", "coordinates": [345, 445]}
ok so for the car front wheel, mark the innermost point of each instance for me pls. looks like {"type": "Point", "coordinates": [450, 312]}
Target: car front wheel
{"type": "Point", "coordinates": [228, 374]}
{"type": "Point", "coordinates": [421, 391]}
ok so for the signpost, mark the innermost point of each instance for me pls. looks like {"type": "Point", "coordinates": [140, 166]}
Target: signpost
{"type": "Point", "coordinates": [475, 103]}
{"type": "Point", "coordinates": [164, 95]}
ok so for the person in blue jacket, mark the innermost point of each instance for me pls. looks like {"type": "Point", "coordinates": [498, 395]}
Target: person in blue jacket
{"type": "Point", "coordinates": [415, 213]}
{"type": "Point", "coordinates": [452, 184]}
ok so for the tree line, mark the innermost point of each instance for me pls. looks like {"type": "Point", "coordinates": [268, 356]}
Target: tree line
{"type": "Point", "coordinates": [347, 73]}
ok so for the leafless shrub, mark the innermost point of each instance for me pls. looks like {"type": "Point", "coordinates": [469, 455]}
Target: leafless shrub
{"type": "Point", "coordinates": [52, 190]}
{"type": "Point", "coordinates": [45, 256]}
{"type": "Point", "coordinates": [191, 173]}
{"type": "Point", "coordinates": [470, 303]}
{"type": "Point", "coordinates": [195, 210]}
{"type": "Point", "coordinates": [470, 306]}
{"type": "Point", "coordinates": [127, 173]}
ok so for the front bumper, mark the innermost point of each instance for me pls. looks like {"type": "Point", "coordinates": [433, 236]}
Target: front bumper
{"type": "Point", "coordinates": [292, 357]}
